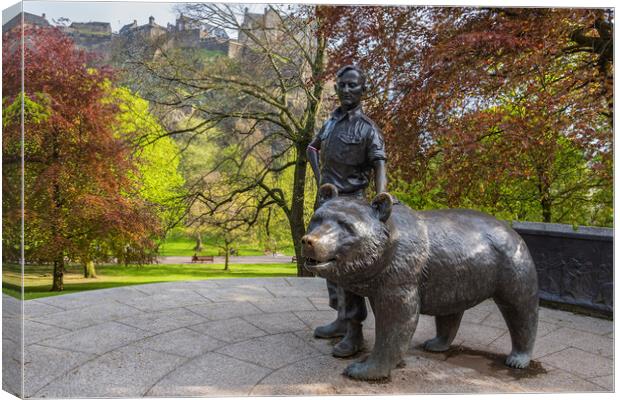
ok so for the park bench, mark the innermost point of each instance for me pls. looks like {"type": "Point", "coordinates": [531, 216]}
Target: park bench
{"type": "Point", "coordinates": [196, 258]}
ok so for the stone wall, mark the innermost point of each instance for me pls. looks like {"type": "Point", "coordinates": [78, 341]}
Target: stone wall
{"type": "Point", "coordinates": [575, 266]}
{"type": "Point", "coordinates": [215, 44]}
{"type": "Point", "coordinates": [100, 45]}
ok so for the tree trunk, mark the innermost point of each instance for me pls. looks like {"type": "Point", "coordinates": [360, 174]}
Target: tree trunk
{"type": "Point", "coordinates": [544, 191]}
{"type": "Point", "coordinates": [59, 260]}
{"type": "Point", "coordinates": [545, 198]}
{"type": "Point", "coordinates": [89, 269]}
{"type": "Point", "coordinates": [296, 219]}
{"type": "Point", "coordinates": [298, 228]}
{"type": "Point", "coordinates": [226, 255]}
{"type": "Point", "coordinates": [198, 246]}
{"type": "Point", "coordinates": [59, 271]}
{"type": "Point", "coordinates": [545, 203]}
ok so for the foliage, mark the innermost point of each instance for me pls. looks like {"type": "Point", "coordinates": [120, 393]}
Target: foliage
{"type": "Point", "coordinates": [157, 156]}
{"type": "Point", "coordinates": [506, 110]}
{"type": "Point", "coordinates": [78, 197]}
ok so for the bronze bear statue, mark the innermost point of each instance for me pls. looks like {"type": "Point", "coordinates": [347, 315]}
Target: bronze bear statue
{"type": "Point", "coordinates": [407, 262]}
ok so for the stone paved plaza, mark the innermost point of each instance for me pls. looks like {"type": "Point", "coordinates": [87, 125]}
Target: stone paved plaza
{"type": "Point", "coordinates": [254, 337]}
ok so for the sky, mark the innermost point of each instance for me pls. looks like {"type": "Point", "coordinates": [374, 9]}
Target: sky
{"type": "Point", "coordinates": [116, 13]}
{"type": "Point", "coordinates": [119, 13]}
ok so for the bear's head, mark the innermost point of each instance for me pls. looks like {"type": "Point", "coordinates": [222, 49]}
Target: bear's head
{"type": "Point", "coordinates": [347, 236]}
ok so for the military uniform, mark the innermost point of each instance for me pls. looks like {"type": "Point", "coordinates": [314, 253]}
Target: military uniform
{"type": "Point", "coordinates": [349, 144]}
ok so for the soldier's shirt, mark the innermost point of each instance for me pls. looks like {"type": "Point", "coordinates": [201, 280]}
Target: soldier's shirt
{"type": "Point", "coordinates": [349, 144]}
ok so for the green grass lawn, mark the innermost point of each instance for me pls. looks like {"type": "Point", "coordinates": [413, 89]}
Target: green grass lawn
{"type": "Point", "coordinates": [38, 278]}
{"type": "Point", "coordinates": [183, 246]}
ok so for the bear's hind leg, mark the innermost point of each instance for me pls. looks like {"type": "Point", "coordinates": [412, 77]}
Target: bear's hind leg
{"type": "Point", "coordinates": [446, 326]}
{"type": "Point", "coordinates": [522, 320]}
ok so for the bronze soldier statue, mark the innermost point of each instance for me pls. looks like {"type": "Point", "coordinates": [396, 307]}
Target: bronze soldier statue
{"type": "Point", "coordinates": [351, 147]}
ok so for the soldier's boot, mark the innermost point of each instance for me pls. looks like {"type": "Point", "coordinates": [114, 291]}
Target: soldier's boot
{"type": "Point", "coordinates": [352, 343]}
{"type": "Point", "coordinates": [335, 329]}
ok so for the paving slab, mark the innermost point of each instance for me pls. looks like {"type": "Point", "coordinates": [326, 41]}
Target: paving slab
{"type": "Point", "coordinates": [606, 381]}
{"type": "Point", "coordinates": [12, 327]}
{"type": "Point", "coordinates": [94, 297]}
{"type": "Point", "coordinates": [163, 321]}
{"type": "Point", "coordinates": [210, 375]}
{"type": "Point", "coordinates": [11, 307]}
{"type": "Point", "coordinates": [320, 303]}
{"type": "Point", "coordinates": [579, 362]}
{"type": "Point", "coordinates": [97, 339]}
{"type": "Point", "coordinates": [12, 362]}
{"type": "Point", "coordinates": [46, 364]}
{"type": "Point", "coordinates": [284, 304]}
{"type": "Point", "coordinates": [165, 301]}
{"type": "Point", "coordinates": [273, 351]}
{"type": "Point", "coordinates": [566, 319]}
{"type": "Point", "coordinates": [34, 308]}
{"type": "Point", "coordinates": [254, 282]}
{"type": "Point", "coordinates": [229, 330]}
{"type": "Point", "coordinates": [176, 287]}
{"type": "Point", "coordinates": [316, 318]}
{"type": "Point", "coordinates": [88, 315]}
{"type": "Point", "coordinates": [288, 291]}
{"type": "Point", "coordinates": [589, 342]}
{"type": "Point", "coordinates": [225, 310]}
{"type": "Point", "coordinates": [322, 346]}
{"type": "Point", "coordinates": [35, 332]}
{"type": "Point", "coordinates": [543, 346]}
{"type": "Point", "coordinates": [276, 322]}
{"type": "Point", "coordinates": [181, 342]}
{"type": "Point", "coordinates": [239, 293]}
{"type": "Point", "coordinates": [129, 372]}
{"type": "Point", "coordinates": [477, 333]}
{"type": "Point", "coordinates": [238, 337]}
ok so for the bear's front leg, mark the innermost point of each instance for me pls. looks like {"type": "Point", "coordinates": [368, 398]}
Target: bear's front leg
{"type": "Point", "coordinates": [396, 317]}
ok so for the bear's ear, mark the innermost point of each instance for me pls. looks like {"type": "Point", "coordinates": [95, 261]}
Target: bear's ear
{"type": "Point", "coordinates": [327, 191]}
{"type": "Point", "coordinates": [382, 206]}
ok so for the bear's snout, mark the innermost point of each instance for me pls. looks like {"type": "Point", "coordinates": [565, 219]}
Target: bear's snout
{"type": "Point", "coordinates": [316, 247]}
{"type": "Point", "coordinates": [308, 243]}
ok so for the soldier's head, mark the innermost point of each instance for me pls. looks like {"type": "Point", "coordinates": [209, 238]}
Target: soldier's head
{"type": "Point", "coordinates": [350, 86]}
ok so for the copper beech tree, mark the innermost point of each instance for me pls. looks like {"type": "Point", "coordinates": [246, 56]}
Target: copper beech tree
{"type": "Point", "coordinates": [509, 110]}
{"type": "Point", "coordinates": [78, 199]}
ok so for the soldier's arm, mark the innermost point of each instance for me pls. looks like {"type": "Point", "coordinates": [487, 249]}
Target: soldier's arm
{"type": "Point", "coordinates": [380, 176]}
{"type": "Point", "coordinates": [376, 154]}
{"type": "Point", "coordinates": [312, 152]}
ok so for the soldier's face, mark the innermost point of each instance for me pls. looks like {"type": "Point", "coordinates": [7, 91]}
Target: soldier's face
{"type": "Point", "coordinates": [349, 89]}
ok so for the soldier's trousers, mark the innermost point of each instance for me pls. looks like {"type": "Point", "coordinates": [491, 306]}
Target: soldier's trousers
{"type": "Point", "coordinates": [348, 305]}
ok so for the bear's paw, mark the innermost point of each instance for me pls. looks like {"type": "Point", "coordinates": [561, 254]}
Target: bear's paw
{"type": "Point", "coordinates": [367, 370]}
{"type": "Point", "coordinates": [518, 360]}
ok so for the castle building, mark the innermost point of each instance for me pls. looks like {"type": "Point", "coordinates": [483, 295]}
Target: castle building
{"type": "Point", "coordinates": [95, 37]}
{"type": "Point", "coordinates": [190, 33]}
{"type": "Point", "coordinates": [150, 30]}
{"type": "Point", "coordinates": [265, 23]}
{"type": "Point", "coordinates": [28, 20]}
{"type": "Point", "coordinates": [187, 24]}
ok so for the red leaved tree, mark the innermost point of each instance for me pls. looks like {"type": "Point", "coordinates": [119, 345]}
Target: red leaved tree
{"type": "Point", "coordinates": [502, 106]}
{"type": "Point", "coordinates": [78, 201]}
